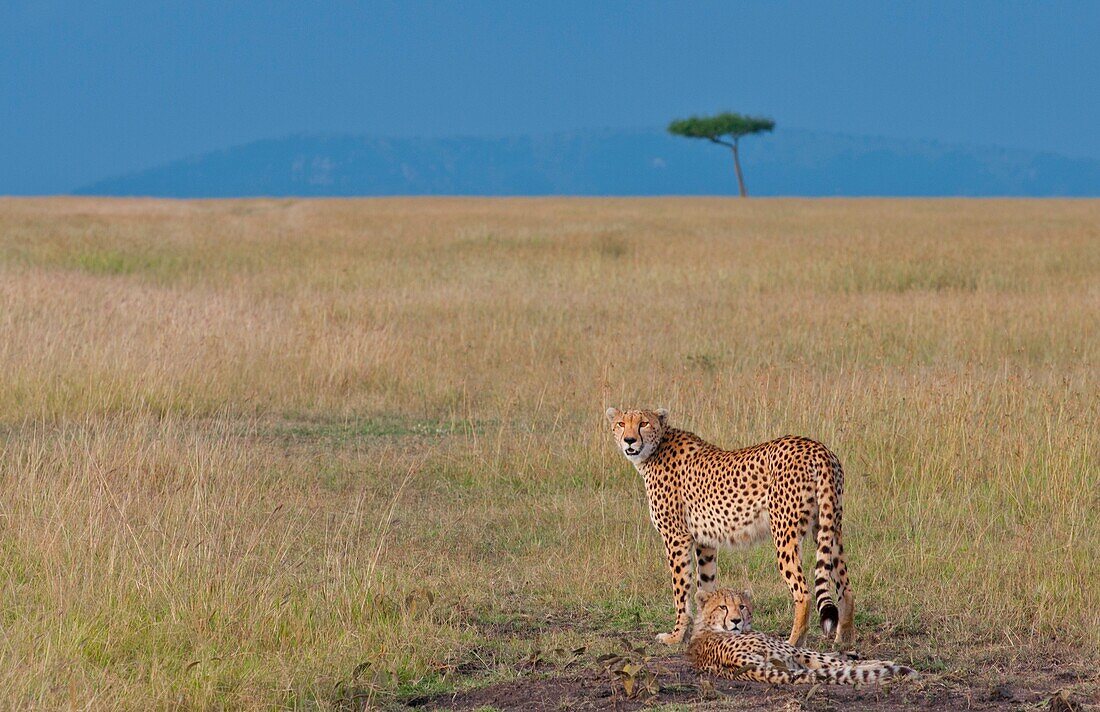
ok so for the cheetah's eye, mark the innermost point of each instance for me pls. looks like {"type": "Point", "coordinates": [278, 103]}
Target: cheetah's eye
{"type": "Point", "coordinates": [645, 423]}
{"type": "Point", "coordinates": [620, 425]}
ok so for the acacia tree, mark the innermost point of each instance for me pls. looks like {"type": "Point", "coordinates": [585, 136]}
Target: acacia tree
{"type": "Point", "coordinates": [725, 129]}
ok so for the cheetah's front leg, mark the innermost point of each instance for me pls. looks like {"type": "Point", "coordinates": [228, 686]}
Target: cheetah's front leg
{"type": "Point", "coordinates": [678, 549]}
{"type": "Point", "coordinates": [706, 567]}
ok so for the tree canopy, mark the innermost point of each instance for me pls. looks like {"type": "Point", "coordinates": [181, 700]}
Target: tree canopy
{"type": "Point", "coordinates": [713, 128]}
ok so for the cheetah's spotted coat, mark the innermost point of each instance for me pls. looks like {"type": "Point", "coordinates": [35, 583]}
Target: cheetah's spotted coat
{"type": "Point", "coordinates": [723, 643]}
{"type": "Point", "coordinates": [702, 497]}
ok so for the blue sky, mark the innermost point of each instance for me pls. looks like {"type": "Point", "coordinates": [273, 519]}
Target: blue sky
{"type": "Point", "coordinates": [91, 89]}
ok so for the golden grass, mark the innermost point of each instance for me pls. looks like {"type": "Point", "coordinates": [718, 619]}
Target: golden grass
{"type": "Point", "coordinates": [259, 453]}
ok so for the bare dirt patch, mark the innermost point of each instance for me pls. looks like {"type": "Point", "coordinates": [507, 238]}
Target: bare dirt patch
{"type": "Point", "coordinates": [1024, 687]}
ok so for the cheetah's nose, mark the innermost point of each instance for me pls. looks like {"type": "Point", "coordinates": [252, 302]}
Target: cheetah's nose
{"type": "Point", "coordinates": [630, 441]}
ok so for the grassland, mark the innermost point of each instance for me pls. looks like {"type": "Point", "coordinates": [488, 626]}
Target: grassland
{"type": "Point", "coordinates": [312, 453]}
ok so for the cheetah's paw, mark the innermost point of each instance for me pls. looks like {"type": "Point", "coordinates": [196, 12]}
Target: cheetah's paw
{"type": "Point", "coordinates": [671, 638]}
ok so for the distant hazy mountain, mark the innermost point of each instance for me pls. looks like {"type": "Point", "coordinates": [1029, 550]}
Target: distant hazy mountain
{"type": "Point", "coordinates": [608, 162]}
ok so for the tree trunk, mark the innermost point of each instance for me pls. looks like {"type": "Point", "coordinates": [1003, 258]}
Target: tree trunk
{"type": "Point", "coordinates": [737, 165]}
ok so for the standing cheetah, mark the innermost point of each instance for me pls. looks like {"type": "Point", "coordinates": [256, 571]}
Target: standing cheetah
{"type": "Point", "coordinates": [702, 497]}
{"type": "Point", "coordinates": [723, 643]}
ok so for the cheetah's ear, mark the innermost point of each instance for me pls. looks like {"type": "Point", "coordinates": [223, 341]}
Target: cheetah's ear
{"type": "Point", "coordinates": [612, 414]}
{"type": "Point", "coordinates": [662, 415]}
{"type": "Point", "coordinates": [702, 596]}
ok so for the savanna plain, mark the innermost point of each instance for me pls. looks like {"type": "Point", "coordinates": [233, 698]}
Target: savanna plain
{"type": "Point", "coordinates": [315, 454]}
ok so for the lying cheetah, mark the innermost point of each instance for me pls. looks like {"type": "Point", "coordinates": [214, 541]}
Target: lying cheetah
{"type": "Point", "coordinates": [702, 497]}
{"type": "Point", "coordinates": [723, 643]}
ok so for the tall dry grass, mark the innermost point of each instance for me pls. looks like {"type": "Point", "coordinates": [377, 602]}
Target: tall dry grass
{"type": "Point", "coordinates": [295, 453]}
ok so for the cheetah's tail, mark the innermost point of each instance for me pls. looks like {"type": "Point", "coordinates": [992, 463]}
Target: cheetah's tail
{"type": "Point", "coordinates": [830, 549]}
{"type": "Point", "coordinates": [865, 672]}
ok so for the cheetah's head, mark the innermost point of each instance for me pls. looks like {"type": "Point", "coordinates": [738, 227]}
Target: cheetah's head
{"type": "Point", "coordinates": [724, 611]}
{"type": "Point", "coordinates": [637, 432]}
